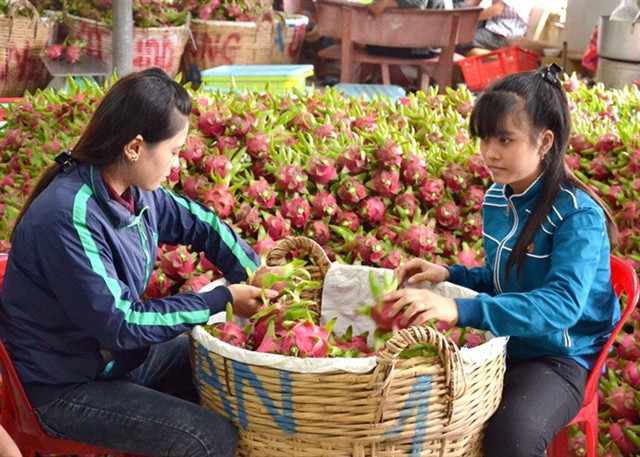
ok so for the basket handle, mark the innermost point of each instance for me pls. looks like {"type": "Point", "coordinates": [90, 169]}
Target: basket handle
{"type": "Point", "coordinates": [448, 353]}
{"type": "Point", "coordinates": [27, 4]}
{"type": "Point", "coordinates": [300, 243]}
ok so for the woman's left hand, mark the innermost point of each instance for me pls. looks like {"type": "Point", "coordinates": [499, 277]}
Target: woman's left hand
{"type": "Point", "coordinates": [422, 305]}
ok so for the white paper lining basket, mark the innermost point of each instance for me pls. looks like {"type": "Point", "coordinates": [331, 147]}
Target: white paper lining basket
{"type": "Point", "coordinates": [286, 406]}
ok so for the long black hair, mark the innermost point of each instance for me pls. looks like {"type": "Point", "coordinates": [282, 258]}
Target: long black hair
{"type": "Point", "coordinates": [147, 103]}
{"type": "Point", "coordinates": [535, 99]}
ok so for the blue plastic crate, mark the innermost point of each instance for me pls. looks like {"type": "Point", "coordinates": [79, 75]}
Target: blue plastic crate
{"type": "Point", "coordinates": [368, 91]}
{"type": "Point", "coordinates": [279, 77]}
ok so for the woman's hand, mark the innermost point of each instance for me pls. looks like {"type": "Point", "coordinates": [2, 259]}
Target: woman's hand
{"type": "Point", "coordinates": [418, 270]}
{"type": "Point", "coordinates": [422, 305]}
{"type": "Point", "coordinates": [245, 299]}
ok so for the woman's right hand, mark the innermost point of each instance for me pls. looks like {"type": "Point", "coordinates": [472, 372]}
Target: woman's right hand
{"type": "Point", "coordinates": [245, 299]}
{"type": "Point", "coordinates": [418, 270]}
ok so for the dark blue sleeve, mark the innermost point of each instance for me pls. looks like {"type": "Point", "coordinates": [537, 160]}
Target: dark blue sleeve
{"type": "Point", "coordinates": [478, 279]}
{"type": "Point", "coordinates": [186, 222]}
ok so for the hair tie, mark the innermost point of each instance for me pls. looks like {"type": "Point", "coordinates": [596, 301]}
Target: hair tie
{"type": "Point", "coordinates": [65, 161]}
{"type": "Point", "coordinates": [550, 74]}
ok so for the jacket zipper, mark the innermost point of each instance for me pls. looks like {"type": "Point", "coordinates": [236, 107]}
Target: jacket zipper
{"type": "Point", "coordinates": [496, 270]}
{"type": "Point", "coordinates": [567, 338]}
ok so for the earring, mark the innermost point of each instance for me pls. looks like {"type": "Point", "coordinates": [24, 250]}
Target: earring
{"type": "Point", "coordinates": [134, 158]}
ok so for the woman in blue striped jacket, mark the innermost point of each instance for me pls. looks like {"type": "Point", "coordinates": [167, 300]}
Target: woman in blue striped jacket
{"type": "Point", "coordinates": [546, 280]}
{"type": "Point", "coordinates": [101, 365]}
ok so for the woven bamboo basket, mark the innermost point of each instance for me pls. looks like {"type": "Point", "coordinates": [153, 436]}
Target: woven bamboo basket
{"type": "Point", "coordinates": [152, 46]}
{"type": "Point", "coordinates": [217, 43]}
{"type": "Point", "coordinates": [22, 40]}
{"type": "Point", "coordinates": [421, 407]}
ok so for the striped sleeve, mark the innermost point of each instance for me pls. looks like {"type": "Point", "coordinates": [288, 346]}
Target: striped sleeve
{"type": "Point", "coordinates": [184, 221]}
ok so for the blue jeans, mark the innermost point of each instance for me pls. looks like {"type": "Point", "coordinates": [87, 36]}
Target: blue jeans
{"type": "Point", "coordinates": [152, 411]}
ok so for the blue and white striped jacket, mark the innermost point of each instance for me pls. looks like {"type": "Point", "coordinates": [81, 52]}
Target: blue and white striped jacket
{"type": "Point", "coordinates": [77, 270]}
{"type": "Point", "coordinates": [563, 303]}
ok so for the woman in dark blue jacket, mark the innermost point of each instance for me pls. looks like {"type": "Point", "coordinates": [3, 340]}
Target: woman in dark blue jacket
{"type": "Point", "coordinates": [99, 364]}
{"type": "Point", "coordinates": [546, 280]}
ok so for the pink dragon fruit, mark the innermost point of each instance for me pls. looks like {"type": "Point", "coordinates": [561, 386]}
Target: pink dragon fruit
{"type": "Point", "coordinates": [264, 245]}
{"type": "Point", "coordinates": [469, 257]}
{"type": "Point", "coordinates": [55, 51]}
{"type": "Point", "coordinates": [352, 191]}
{"type": "Point", "coordinates": [205, 266]}
{"type": "Point", "coordinates": [473, 198]}
{"type": "Point", "coordinates": [261, 193]}
{"type": "Point", "coordinates": [195, 283]}
{"type": "Point", "coordinates": [365, 123]}
{"type": "Point", "coordinates": [321, 170]}
{"type": "Point", "coordinates": [393, 260]}
{"type": "Point", "coordinates": [159, 285]}
{"type": "Point", "coordinates": [178, 264]}
{"type": "Point", "coordinates": [368, 249]}
{"type": "Point", "coordinates": [448, 215]}
{"type": "Point", "coordinates": [607, 142]}
{"type": "Point", "coordinates": [216, 164]}
{"type": "Point", "coordinates": [291, 179]}
{"type": "Point", "coordinates": [355, 343]}
{"type": "Point", "coordinates": [472, 227]}
{"type": "Point", "coordinates": [257, 145]}
{"type": "Point", "coordinates": [419, 240]}
{"type": "Point", "coordinates": [388, 155]}
{"type": "Point", "coordinates": [277, 226]}
{"type": "Point", "coordinates": [631, 373]}
{"type": "Point", "coordinates": [628, 347]}
{"type": "Point", "coordinates": [618, 437]}
{"type": "Point", "coordinates": [248, 219]}
{"type": "Point", "coordinates": [388, 230]}
{"type": "Point", "coordinates": [448, 243]}
{"type": "Point", "coordinates": [297, 210]}
{"type": "Point", "coordinates": [579, 142]}
{"type": "Point", "coordinates": [226, 144]}
{"type": "Point", "coordinates": [194, 150]}
{"type": "Point", "coordinates": [220, 198]}
{"type": "Point", "coordinates": [318, 231]}
{"type": "Point", "coordinates": [630, 214]}
{"type": "Point", "coordinates": [229, 331]}
{"type": "Point", "coordinates": [414, 170]}
{"type": "Point", "coordinates": [305, 339]}
{"type": "Point", "coordinates": [193, 186]}
{"type": "Point", "coordinates": [72, 53]}
{"type": "Point", "coordinates": [386, 183]}
{"type": "Point", "coordinates": [353, 159]}
{"type": "Point", "coordinates": [324, 204]}
{"type": "Point", "coordinates": [347, 219]}
{"type": "Point", "coordinates": [371, 210]}
{"type": "Point", "coordinates": [431, 191]}
{"type": "Point", "coordinates": [211, 125]}
{"type": "Point", "coordinates": [405, 205]}
{"type": "Point", "coordinates": [455, 177]}
{"type": "Point", "coordinates": [240, 125]}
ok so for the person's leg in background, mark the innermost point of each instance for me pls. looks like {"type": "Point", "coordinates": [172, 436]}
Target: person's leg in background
{"type": "Point", "coordinates": [127, 416]}
{"type": "Point", "coordinates": [539, 398]}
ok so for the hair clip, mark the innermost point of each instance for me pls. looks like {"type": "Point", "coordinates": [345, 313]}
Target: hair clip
{"type": "Point", "coordinates": [65, 161]}
{"type": "Point", "coordinates": [550, 74]}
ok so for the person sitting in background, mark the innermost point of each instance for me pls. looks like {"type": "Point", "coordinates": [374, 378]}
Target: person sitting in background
{"type": "Point", "coordinates": [503, 20]}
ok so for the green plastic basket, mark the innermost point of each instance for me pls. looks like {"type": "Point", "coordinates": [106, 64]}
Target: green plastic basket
{"type": "Point", "coordinates": [279, 78]}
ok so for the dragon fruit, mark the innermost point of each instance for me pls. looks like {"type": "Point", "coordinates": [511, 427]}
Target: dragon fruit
{"type": "Point", "coordinates": [277, 226]}
{"type": "Point", "coordinates": [371, 210]}
{"type": "Point", "coordinates": [448, 215]}
{"type": "Point", "coordinates": [419, 240]}
{"type": "Point", "coordinates": [318, 231]}
{"type": "Point", "coordinates": [455, 177]}
{"type": "Point", "coordinates": [248, 219]}
{"type": "Point", "coordinates": [193, 186]}
{"type": "Point", "coordinates": [351, 191]}
{"type": "Point", "coordinates": [353, 159]}
{"type": "Point", "coordinates": [297, 210]}
{"type": "Point", "coordinates": [405, 205]}
{"type": "Point", "coordinates": [348, 219]}
{"type": "Point", "coordinates": [628, 346]}
{"type": "Point", "coordinates": [305, 339]}
{"type": "Point", "coordinates": [619, 438]}
{"type": "Point", "coordinates": [178, 264]}
{"type": "Point", "coordinates": [386, 183]}
{"type": "Point", "coordinates": [631, 373]}
{"type": "Point", "coordinates": [211, 124]}
{"type": "Point", "coordinates": [194, 150]}
{"type": "Point", "coordinates": [388, 155]}
{"type": "Point", "coordinates": [355, 343]}
{"type": "Point", "coordinates": [220, 198]}
{"type": "Point", "coordinates": [195, 283]}
{"type": "Point", "coordinates": [321, 170]}
{"type": "Point", "coordinates": [291, 179]}
{"type": "Point", "coordinates": [226, 144]}
{"type": "Point", "coordinates": [257, 145]}
{"type": "Point", "coordinates": [392, 260]}
{"type": "Point", "coordinates": [414, 170]}
{"type": "Point", "coordinates": [229, 331]}
{"type": "Point", "coordinates": [324, 204]}
{"type": "Point", "coordinates": [216, 165]}
{"type": "Point", "coordinates": [472, 227]}
{"type": "Point", "coordinates": [159, 285]}
{"type": "Point", "coordinates": [431, 191]}
{"type": "Point", "coordinates": [473, 198]}
{"type": "Point", "coordinates": [264, 245]}
{"type": "Point", "coordinates": [261, 193]}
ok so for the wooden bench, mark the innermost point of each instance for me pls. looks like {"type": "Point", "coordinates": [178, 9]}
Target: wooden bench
{"type": "Point", "coordinates": [351, 23]}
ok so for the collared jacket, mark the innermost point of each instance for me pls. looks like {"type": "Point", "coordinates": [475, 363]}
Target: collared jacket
{"type": "Point", "coordinates": [78, 267]}
{"type": "Point", "coordinates": [563, 303]}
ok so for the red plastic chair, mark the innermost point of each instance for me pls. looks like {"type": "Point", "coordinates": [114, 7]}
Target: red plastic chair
{"type": "Point", "coordinates": [624, 280]}
{"type": "Point", "coordinates": [17, 415]}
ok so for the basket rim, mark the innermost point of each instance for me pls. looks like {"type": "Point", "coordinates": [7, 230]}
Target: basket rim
{"type": "Point", "coordinates": [102, 24]}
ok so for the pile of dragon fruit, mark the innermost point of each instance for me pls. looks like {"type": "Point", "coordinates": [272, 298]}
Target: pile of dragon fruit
{"type": "Point", "coordinates": [374, 182]}
{"type": "Point", "coordinates": [288, 324]}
